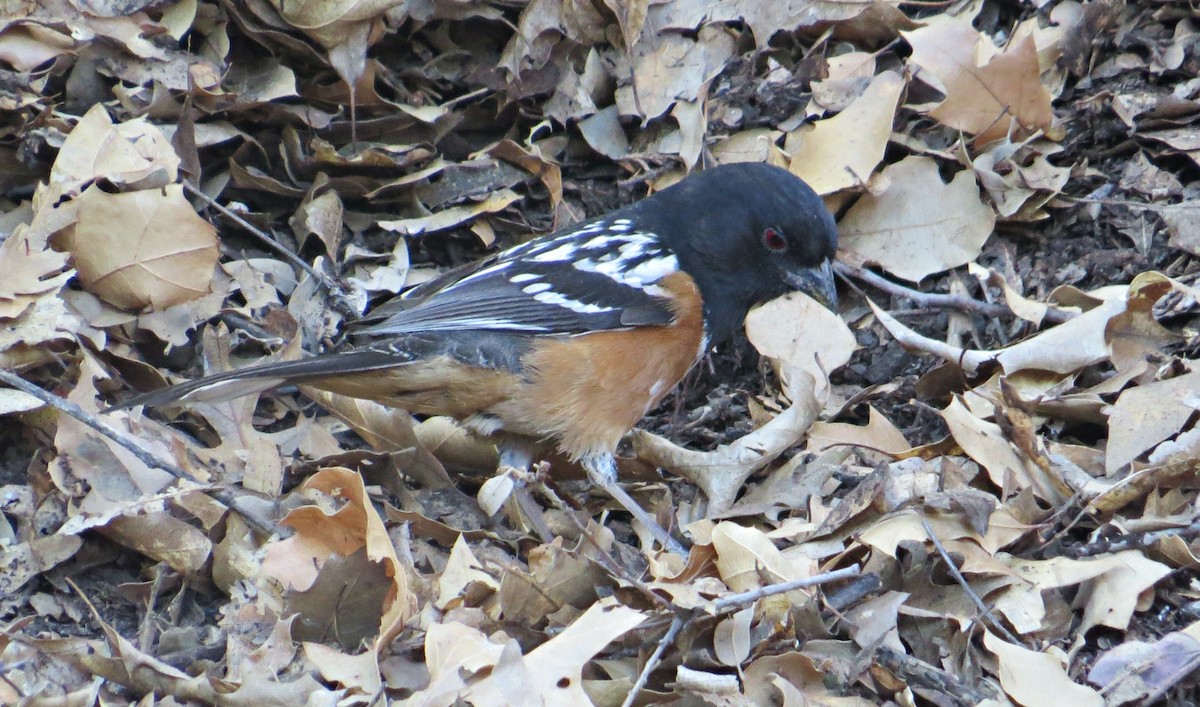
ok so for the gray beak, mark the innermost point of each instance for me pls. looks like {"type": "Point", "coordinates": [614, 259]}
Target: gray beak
{"type": "Point", "coordinates": [816, 282]}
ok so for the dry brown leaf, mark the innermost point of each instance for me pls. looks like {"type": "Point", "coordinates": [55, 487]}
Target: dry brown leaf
{"type": "Point", "coordinates": [551, 674]}
{"type": "Point", "coordinates": [321, 535]}
{"type": "Point", "coordinates": [889, 532]}
{"type": "Point", "coordinates": [134, 154]}
{"type": "Point", "coordinates": [987, 93]}
{"type": "Point", "coordinates": [671, 67]}
{"type": "Point", "coordinates": [1019, 186]}
{"type": "Point", "coordinates": [765, 17]}
{"type": "Point", "coordinates": [1118, 581]}
{"type": "Point", "coordinates": [747, 558]}
{"type": "Point", "coordinates": [878, 434]}
{"type": "Point", "coordinates": [873, 622]}
{"type": "Point", "coordinates": [27, 46]}
{"type": "Point", "coordinates": [985, 443]}
{"type": "Point", "coordinates": [604, 134]}
{"type": "Point", "coordinates": [919, 225]}
{"type": "Point", "coordinates": [1148, 414]}
{"type": "Point", "coordinates": [802, 334]}
{"type": "Point", "coordinates": [29, 270]}
{"type": "Point", "coordinates": [731, 638]}
{"type": "Point", "coordinates": [359, 673]}
{"type": "Point", "coordinates": [451, 217]}
{"type": "Point", "coordinates": [143, 248]}
{"type": "Point", "coordinates": [842, 152]}
{"type": "Point", "coordinates": [754, 145]}
{"type": "Point", "coordinates": [462, 569]}
{"type": "Point", "coordinates": [1033, 678]}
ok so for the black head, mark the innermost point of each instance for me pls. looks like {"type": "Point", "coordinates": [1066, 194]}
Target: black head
{"type": "Point", "coordinates": [747, 233]}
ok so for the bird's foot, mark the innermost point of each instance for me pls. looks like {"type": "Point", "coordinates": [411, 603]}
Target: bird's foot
{"type": "Point", "coordinates": [512, 479]}
{"type": "Point", "coordinates": [602, 471]}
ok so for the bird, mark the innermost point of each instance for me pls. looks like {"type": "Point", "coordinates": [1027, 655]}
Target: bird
{"type": "Point", "coordinates": [574, 336]}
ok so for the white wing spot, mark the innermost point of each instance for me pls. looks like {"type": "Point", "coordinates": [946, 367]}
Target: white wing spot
{"type": "Point", "coordinates": [557, 298]}
{"type": "Point", "coordinates": [563, 253]}
{"type": "Point", "coordinates": [536, 288]}
{"type": "Point", "coordinates": [523, 277]}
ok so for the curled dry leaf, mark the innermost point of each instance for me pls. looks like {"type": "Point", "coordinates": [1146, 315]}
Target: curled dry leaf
{"type": "Point", "coordinates": [133, 154]}
{"type": "Point", "coordinates": [320, 536]}
{"type": "Point", "coordinates": [919, 225]}
{"type": "Point", "coordinates": [451, 217]}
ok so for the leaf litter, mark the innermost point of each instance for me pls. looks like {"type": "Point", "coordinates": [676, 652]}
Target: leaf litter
{"type": "Point", "coordinates": [993, 450]}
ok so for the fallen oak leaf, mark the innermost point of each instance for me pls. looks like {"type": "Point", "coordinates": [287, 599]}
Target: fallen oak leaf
{"type": "Point", "coordinates": [988, 93]}
{"type": "Point", "coordinates": [919, 225]}
{"type": "Point", "coordinates": [842, 152]}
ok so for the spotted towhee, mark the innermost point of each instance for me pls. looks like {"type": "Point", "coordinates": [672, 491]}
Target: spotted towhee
{"type": "Point", "coordinates": [574, 336]}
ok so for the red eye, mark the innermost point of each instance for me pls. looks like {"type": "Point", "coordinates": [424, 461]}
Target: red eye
{"type": "Point", "coordinates": [774, 240]}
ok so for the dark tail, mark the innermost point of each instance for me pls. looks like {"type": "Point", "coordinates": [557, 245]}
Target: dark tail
{"type": "Point", "coordinates": [256, 379]}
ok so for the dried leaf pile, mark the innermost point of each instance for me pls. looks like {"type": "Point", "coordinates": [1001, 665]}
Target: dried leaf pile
{"type": "Point", "coordinates": [1008, 504]}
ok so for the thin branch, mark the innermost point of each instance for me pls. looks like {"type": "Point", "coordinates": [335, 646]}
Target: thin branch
{"type": "Point", "coordinates": [602, 557]}
{"type": "Point", "coordinates": [743, 598]}
{"type": "Point", "coordinates": [962, 581]}
{"type": "Point", "coordinates": [326, 283]}
{"type": "Point", "coordinates": [939, 300]}
{"type": "Point", "coordinates": [913, 670]}
{"type": "Point", "coordinates": [654, 659]}
{"type": "Point", "coordinates": [147, 457]}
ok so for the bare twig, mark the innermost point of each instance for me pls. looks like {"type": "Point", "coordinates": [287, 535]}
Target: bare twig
{"type": "Point", "coordinates": [743, 598]}
{"type": "Point", "coordinates": [602, 557]}
{"type": "Point", "coordinates": [147, 457]}
{"type": "Point", "coordinates": [1132, 541]}
{"type": "Point", "coordinates": [962, 581]}
{"type": "Point", "coordinates": [939, 300]}
{"type": "Point", "coordinates": [922, 674]}
{"type": "Point", "coordinates": [327, 283]}
{"type": "Point", "coordinates": [1171, 680]}
{"type": "Point", "coordinates": [652, 662]}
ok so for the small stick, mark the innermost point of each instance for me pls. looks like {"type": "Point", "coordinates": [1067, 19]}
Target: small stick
{"type": "Point", "coordinates": [734, 600]}
{"type": "Point", "coordinates": [939, 300]}
{"type": "Point", "coordinates": [144, 455]}
{"type": "Point", "coordinates": [655, 657]}
{"type": "Point", "coordinates": [962, 581]}
{"type": "Point", "coordinates": [327, 283]}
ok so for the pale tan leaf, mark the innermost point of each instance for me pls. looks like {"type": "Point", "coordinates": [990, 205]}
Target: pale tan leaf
{"type": "Point", "coordinates": [842, 152]}
{"type": "Point", "coordinates": [986, 92]}
{"type": "Point", "coordinates": [452, 216]}
{"type": "Point", "coordinates": [1033, 678]}
{"type": "Point", "coordinates": [920, 225]}
{"type": "Point", "coordinates": [133, 153]}
{"type": "Point", "coordinates": [802, 333]}
{"type": "Point", "coordinates": [1148, 414]}
{"type": "Point", "coordinates": [143, 248]}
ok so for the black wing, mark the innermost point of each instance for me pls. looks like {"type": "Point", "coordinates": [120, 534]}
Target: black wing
{"type": "Point", "coordinates": [600, 276]}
